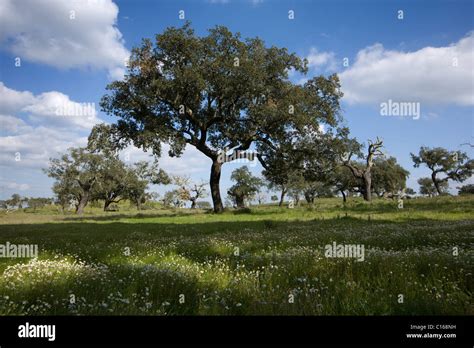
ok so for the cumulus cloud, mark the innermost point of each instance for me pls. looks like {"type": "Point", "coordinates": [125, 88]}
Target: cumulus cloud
{"type": "Point", "coordinates": [37, 127]}
{"type": "Point", "coordinates": [54, 108]}
{"type": "Point", "coordinates": [431, 75]}
{"type": "Point", "coordinates": [64, 33]}
{"type": "Point", "coordinates": [321, 60]}
{"type": "Point", "coordinates": [15, 186]}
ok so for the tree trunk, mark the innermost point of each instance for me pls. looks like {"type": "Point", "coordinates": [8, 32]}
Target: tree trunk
{"type": "Point", "coordinates": [344, 198]}
{"type": "Point", "coordinates": [367, 187]}
{"type": "Point", "coordinates": [106, 204]}
{"type": "Point", "coordinates": [436, 183]}
{"type": "Point", "coordinates": [239, 201]}
{"type": "Point", "coordinates": [214, 183]}
{"type": "Point", "coordinates": [282, 197]}
{"type": "Point", "coordinates": [82, 203]}
{"type": "Point", "coordinates": [193, 204]}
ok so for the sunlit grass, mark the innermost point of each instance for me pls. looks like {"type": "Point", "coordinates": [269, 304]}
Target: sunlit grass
{"type": "Point", "coordinates": [269, 261]}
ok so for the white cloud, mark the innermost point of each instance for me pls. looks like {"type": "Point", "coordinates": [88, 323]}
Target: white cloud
{"type": "Point", "coordinates": [39, 127]}
{"type": "Point", "coordinates": [321, 60]}
{"type": "Point", "coordinates": [15, 186]}
{"type": "Point", "coordinates": [43, 32]}
{"type": "Point", "coordinates": [53, 108]}
{"type": "Point", "coordinates": [12, 100]}
{"type": "Point", "coordinates": [431, 75]}
{"type": "Point", "coordinates": [13, 125]}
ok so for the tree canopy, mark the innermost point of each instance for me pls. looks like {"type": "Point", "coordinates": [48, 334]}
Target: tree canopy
{"type": "Point", "coordinates": [216, 93]}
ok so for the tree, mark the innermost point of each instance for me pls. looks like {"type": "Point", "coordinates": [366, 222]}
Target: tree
{"type": "Point", "coordinates": [296, 186]}
{"type": "Point", "coordinates": [141, 174]}
{"type": "Point", "coordinates": [172, 199]}
{"type": "Point", "coordinates": [246, 185]}
{"type": "Point", "coordinates": [114, 182]}
{"type": "Point", "coordinates": [260, 197]}
{"type": "Point", "coordinates": [466, 190]}
{"type": "Point", "coordinates": [343, 181]}
{"type": "Point", "coordinates": [38, 202]}
{"type": "Point", "coordinates": [189, 191]}
{"type": "Point", "coordinates": [215, 93]}
{"type": "Point", "coordinates": [203, 205]}
{"type": "Point", "coordinates": [389, 178]}
{"type": "Point", "coordinates": [363, 174]}
{"type": "Point", "coordinates": [455, 165]}
{"type": "Point", "coordinates": [299, 162]}
{"type": "Point", "coordinates": [77, 173]}
{"type": "Point", "coordinates": [427, 187]}
{"type": "Point", "coordinates": [15, 201]}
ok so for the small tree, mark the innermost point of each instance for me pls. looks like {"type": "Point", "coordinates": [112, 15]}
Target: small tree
{"type": "Point", "coordinates": [38, 202]}
{"type": "Point", "coordinates": [389, 178]}
{"type": "Point", "coordinates": [466, 190]}
{"type": "Point", "coordinates": [363, 174]}
{"type": "Point", "coordinates": [454, 165]}
{"type": "Point", "coordinates": [189, 191]}
{"type": "Point", "coordinates": [246, 185]}
{"type": "Point", "coordinates": [427, 187]}
{"type": "Point", "coordinates": [114, 183]}
{"type": "Point", "coordinates": [77, 174]}
{"type": "Point", "coordinates": [141, 174]}
{"type": "Point", "coordinates": [15, 201]}
{"type": "Point", "coordinates": [343, 181]}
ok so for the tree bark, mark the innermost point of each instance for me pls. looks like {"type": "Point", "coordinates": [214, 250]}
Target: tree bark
{"type": "Point", "coordinates": [193, 204]}
{"type": "Point", "coordinates": [282, 197]}
{"type": "Point", "coordinates": [82, 203]}
{"type": "Point", "coordinates": [367, 187]}
{"type": "Point", "coordinates": [214, 183]}
{"type": "Point", "coordinates": [239, 201]}
{"type": "Point", "coordinates": [436, 183]}
{"type": "Point", "coordinates": [106, 204]}
{"type": "Point", "coordinates": [344, 198]}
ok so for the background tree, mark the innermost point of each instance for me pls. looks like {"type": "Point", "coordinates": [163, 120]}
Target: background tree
{"type": "Point", "coordinates": [77, 173]}
{"type": "Point", "coordinates": [188, 190]}
{"type": "Point", "coordinates": [114, 182]}
{"type": "Point", "coordinates": [15, 201]}
{"type": "Point", "coordinates": [246, 185]}
{"type": "Point", "coordinates": [38, 202]}
{"type": "Point", "coordinates": [427, 187]}
{"type": "Point", "coordinates": [454, 165]}
{"type": "Point", "coordinates": [215, 92]}
{"type": "Point", "coordinates": [296, 186]}
{"type": "Point", "coordinates": [466, 190]}
{"type": "Point", "coordinates": [343, 181]}
{"type": "Point", "coordinates": [141, 174]}
{"type": "Point", "coordinates": [388, 177]}
{"type": "Point", "coordinates": [363, 174]}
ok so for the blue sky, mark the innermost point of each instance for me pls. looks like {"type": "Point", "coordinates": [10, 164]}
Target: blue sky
{"type": "Point", "coordinates": [426, 58]}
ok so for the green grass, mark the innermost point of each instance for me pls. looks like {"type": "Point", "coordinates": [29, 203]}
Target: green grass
{"type": "Point", "coordinates": [280, 256]}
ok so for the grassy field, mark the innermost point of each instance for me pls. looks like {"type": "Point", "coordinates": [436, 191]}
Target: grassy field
{"type": "Point", "coordinates": [268, 261]}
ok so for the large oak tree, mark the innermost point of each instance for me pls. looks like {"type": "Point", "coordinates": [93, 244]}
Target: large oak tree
{"type": "Point", "coordinates": [216, 93]}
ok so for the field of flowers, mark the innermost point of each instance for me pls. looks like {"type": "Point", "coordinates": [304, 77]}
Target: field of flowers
{"type": "Point", "coordinates": [266, 261]}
